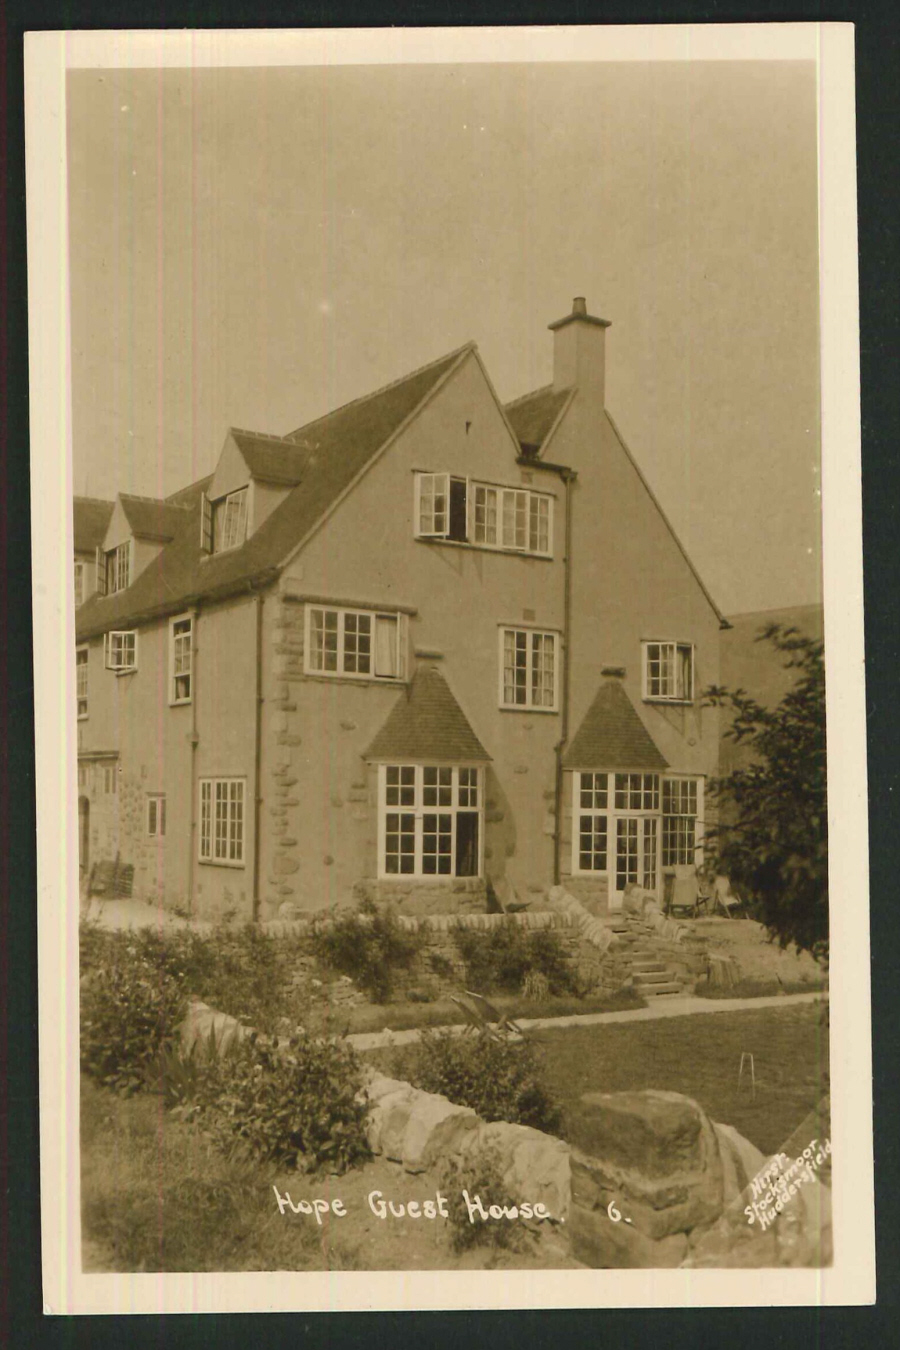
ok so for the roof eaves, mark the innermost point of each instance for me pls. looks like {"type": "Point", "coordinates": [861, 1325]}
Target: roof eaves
{"type": "Point", "coordinates": [723, 622]}
{"type": "Point", "coordinates": [178, 604]}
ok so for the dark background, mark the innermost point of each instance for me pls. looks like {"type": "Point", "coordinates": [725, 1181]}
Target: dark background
{"type": "Point", "coordinates": [878, 119]}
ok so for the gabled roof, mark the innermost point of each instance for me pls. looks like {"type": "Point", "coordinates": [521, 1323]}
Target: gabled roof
{"type": "Point", "coordinates": [533, 415]}
{"type": "Point", "coordinates": [152, 518]}
{"type": "Point", "coordinates": [271, 459]}
{"type": "Point", "coordinates": [338, 448]}
{"type": "Point", "coordinates": [612, 735]}
{"type": "Point", "coordinates": [427, 723]}
{"type": "Point", "coordinates": [90, 517]}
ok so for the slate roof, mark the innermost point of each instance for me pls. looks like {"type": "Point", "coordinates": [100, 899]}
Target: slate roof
{"type": "Point", "coordinates": [151, 518]}
{"type": "Point", "coordinates": [427, 723]}
{"type": "Point", "coordinates": [532, 415]}
{"type": "Point", "coordinates": [271, 459]}
{"type": "Point", "coordinates": [612, 735]}
{"type": "Point", "coordinates": [337, 447]}
{"type": "Point", "coordinates": [90, 517]}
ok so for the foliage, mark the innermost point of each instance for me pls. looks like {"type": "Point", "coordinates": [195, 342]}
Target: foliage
{"type": "Point", "coordinates": [131, 1006]}
{"type": "Point", "coordinates": [772, 839]}
{"type": "Point", "coordinates": [243, 970]}
{"type": "Point", "coordinates": [180, 1075]}
{"type": "Point", "coordinates": [369, 946]}
{"type": "Point", "coordinates": [480, 1173]}
{"type": "Point", "coordinates": [500, 1079]}
{"type": "Point", "coordinates": [502, 958]}
{"type": "Point", "coordinates": [298, 1101]}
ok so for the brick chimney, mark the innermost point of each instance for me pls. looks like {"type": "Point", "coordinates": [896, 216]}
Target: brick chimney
{"type": "Point", "coordinates": [579, 351]}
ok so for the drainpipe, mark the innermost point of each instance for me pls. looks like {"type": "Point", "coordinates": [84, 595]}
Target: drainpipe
{"type": "Point", "coordinates": [568, 476]}
{"type": "Point", "coordinates": [195, 741]}
{"type": "Point", "coordinates": [257, 762]}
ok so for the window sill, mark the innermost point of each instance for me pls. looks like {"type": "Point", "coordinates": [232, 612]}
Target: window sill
{"type": "Point", "coordinates": [132, 670]}
{"type": "Point", "coordinates": [483, 548]}
{"type": "Point", "coordinates": [669, 702]}
{"type": "Point", "coordinates": [412, 879]}
{"type": "Point", "coordinates": [524, 708]}
{"type": "Point", "coordinates": [220, 862]}
{"type": "Point", "coordinates": [180, 702]}
{"type": "Point", "coordinates": [82, 717]}
{"type": "Point", "coordinates": [346, 677]}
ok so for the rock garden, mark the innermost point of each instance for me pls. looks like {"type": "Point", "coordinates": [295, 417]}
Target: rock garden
{"type": "Point", "coordinates": [225, 1057]}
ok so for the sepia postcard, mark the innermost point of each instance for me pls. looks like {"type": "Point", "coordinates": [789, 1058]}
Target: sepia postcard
{"type": "Point", "coordinates": [446, 473]}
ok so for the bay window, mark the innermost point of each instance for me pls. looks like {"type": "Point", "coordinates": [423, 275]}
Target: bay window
{"type": "Point", "coordinates": [429, 820]}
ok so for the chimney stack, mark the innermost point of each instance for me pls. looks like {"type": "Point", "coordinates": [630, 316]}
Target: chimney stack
{"type": "Point", "coordinates": [579, 352]}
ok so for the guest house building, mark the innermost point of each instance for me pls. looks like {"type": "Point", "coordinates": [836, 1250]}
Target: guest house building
{"type": "Point", "coordinates": [425, 648]}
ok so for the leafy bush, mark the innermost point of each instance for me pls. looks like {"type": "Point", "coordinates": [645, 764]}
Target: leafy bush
{"type": "Point", "coordinates": [369, 947]}
{"type": "Point", "coordinates": [501, 1080]}
{"type": "Point", "coordinates": [298, 1101]}
{"type": "Point", "coordinates": [480, 1173]}
{"type": "Point", "coordinates": [503, 957]}
{"type": "Point", "coordinates": [130, 1010]}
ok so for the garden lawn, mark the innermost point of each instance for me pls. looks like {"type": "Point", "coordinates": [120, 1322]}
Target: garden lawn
{"type": "Point", "coordinates": [699, 1055]}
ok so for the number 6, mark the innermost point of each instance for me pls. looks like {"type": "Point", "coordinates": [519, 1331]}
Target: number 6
{"type": "Point", "coordinates": [613, 1212]}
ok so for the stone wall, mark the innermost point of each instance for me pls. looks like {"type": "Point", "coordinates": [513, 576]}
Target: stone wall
{"type": "Point", "coordinates": [462, 895]}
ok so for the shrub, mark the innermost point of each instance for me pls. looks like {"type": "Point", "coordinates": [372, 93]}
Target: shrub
{"type": "Point", "coordinates": [480, 1173]}
{"type": "Point", "coordinates": [369, 947]}
{"type": "Point", "coordinates": [131, 1007]}
{"type": "Point", "coordinates": [298, 1101]}
{"type": "Point", "coordinates": [501, 1080]}
{"type": "Point", "coordinates": [502, 958]}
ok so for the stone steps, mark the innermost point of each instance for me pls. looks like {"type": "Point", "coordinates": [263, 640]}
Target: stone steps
{"type": "Point", "coordinates": [671, 988]}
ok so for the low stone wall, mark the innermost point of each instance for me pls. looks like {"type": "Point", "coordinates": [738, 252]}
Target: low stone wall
{"type": "Point", "coordinates": [464, 895]}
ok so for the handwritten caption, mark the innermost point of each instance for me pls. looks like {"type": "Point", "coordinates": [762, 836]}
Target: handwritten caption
{"type": "Point", "coordinates": [777, 1184]}
{"type": "Point", "coordinates": [478, 1211]}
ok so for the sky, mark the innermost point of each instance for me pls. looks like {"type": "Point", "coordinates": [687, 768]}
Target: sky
{"type": "Point", "coordinates": [253, 247]}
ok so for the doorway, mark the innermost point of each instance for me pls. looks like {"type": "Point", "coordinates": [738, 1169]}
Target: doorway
{"type": "Point", "coordinates": [637, 854]}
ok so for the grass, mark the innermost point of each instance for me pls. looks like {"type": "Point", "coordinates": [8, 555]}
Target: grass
{"type": "Point", "coordinates": [157, 1195]}
{"type": "Point", "coordinates": [700, 1056]}
{"type": "Point", "coordinates": [441, 1013]}
{"type": "Point", "coordinates": [758, 988]}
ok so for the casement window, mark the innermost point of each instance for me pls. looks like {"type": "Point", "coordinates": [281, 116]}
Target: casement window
{"type": "Point", "coordinates": [110, 779]}
{"type": "Point", "coordinates": [223, 523]}
{"type": "Point", "coordinates": [669, 671]}
{"type": "Point", "coordinates": [429, 820]}
{"type": "Point", "coordinates": [529, 662]}
{"type": "Point", "coordinates": [120, 650]}
{"type": "Point", "coordinates": [681, 798]}
{"type": "Point", "coordinates": [156, 815]}
{"type": "Point", "coordinates": [615, 828]}
{"type": "Point", "coordinates": [79, 584]}
{"type": "Point", "coordinates": [114, 569]}
{"type": "Point", "coordinates": [81, 681]}
{"type": "Point", "coordinates": [459, 509]}
{"type": "Point", "coordinates": [222, 821]}
{"type": "Point", "coordinates": [361, 644]}
{"type": "Point", "coordinates": [181, 658]}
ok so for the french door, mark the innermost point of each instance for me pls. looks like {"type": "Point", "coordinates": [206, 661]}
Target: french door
{"type": "Point", "coordinates": [637, 854]}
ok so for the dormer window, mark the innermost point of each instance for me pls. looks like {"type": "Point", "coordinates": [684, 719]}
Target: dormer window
{"type": "Point", "coordinates": [223, 522]}
{"type": "Point", "coordinates": [114, 569]}
{"type": "Point", "coordinates": [121, 651]}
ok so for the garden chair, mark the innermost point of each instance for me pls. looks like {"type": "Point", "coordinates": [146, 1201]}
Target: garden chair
{"type": "Point", "coordinates": [685, 892]}
{"type": "Point", "coordinates": [475, 1022]}
{"type": "Point", "coordinates": [723, 899]}
{"type": "Point", "coordinates": [496, 1021]}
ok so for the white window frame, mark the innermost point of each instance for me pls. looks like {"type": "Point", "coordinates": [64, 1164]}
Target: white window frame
{"type": "Point", "coordinates": [421, 805]}
{"type": "Point", "coordinates": [82, 693]}
{"type": "Point", "coordinates": [119, 561]}
{"type": "Point", "coordinates": [110, 779]}
{"type": "Point", "coordinates": [156, 815]}
{"type": "Point", "coordinates": [530, 634]}
{"type": "Point", "coordinates": [342, 613]}
{"type": "Point", "coordinates": [646, 817]}
{"type": "Point", "coordinates": [676, 651]}
{"type": "Point", "coordinates": [220, 514]}
{"type": "Point", "coordinates": [519, 504]}
{"type": "Point", "coordinates": [175, 643]}
{"type": "Point", "coordinates": [79, 584]}
{"type": "Point", "coordinates": [697, 851]}
{"type": "Point", "coordinates": [210, 841]}
{"type": "Point", "coordinates": [119, 661]}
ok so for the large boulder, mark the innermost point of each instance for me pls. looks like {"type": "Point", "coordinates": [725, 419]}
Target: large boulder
{"type": "Point", "coordinates": [654, 1154]}
{"type": "Point", "coordinates": [535, 1166]}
